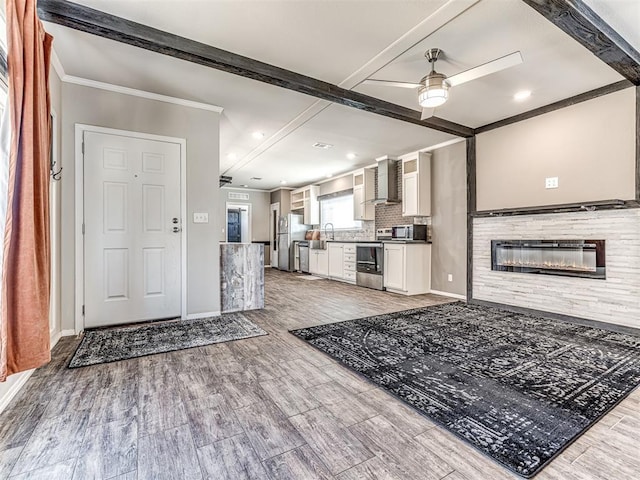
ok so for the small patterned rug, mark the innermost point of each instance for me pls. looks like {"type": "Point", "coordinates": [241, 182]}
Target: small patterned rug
{"type": "Point", "coordinates": [121, 343]}
{"type": "Point", "coordinates": [517, 387]}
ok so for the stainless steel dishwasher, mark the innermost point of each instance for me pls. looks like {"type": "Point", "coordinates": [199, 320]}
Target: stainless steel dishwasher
{"type": "Point", "coordinates": [304, 256]}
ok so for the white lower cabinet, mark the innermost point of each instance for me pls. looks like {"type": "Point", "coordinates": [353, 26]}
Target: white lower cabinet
{"type": "Point", "coordinates": [336, 260]}
{"type": "Point", "coordinates": [349, 256]}
{"type": "Point", "coordinates": [407, 268]}
{"type": "Point", "coordinates": [342, 261]}
{"type": "Point", "coordinates": [319, 262]}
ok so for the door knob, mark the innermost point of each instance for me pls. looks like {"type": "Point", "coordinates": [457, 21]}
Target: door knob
{"type": "Point", "coordinates": [176, 229]}
{"type": "Point", "coordinates": [174, 220]}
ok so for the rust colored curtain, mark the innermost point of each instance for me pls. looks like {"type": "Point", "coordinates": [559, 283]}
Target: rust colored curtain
{"type": "Point", "coordinates": [24, 321]}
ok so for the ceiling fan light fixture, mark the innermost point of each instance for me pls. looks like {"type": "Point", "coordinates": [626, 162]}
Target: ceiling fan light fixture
{"type": "Point", "coordinates": [434, 90]}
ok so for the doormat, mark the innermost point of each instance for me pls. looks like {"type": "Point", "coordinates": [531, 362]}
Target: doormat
{"type": "Point", "coordinates": [517, 387]}
{"type": "Point", "coordinates": [121, 343]}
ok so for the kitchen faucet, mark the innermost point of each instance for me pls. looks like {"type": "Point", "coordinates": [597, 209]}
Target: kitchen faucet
{"type": "Point", "coordinates": [333, 233]}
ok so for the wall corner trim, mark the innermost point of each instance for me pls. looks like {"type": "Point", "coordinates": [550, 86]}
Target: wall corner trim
{"type": "Point", "coordinates": [57, 66]}
{"type": "Point", "coordinates": [85, 82]}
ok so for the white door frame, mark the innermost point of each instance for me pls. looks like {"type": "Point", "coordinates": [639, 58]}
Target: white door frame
{"type": "Point", "coordinates": [79, 212]}
{"type": "Point", "coordinates": [226, 219]}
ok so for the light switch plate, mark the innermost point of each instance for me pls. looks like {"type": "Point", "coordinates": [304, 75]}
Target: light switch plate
{"type": "Point", "coordinates": [200, 217]}
{"type": "Point", "coordinates": [450, 278]}
{"type": "Point", "coordinates": [551, 182]}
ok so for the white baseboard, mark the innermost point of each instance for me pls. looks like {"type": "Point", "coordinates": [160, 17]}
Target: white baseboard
{"type": "Point", "coordinates": [447, 294]}
{"type": "Point", "coordinates": [195, 316]}
{"type": "Point", "coordinates": [21, 378]}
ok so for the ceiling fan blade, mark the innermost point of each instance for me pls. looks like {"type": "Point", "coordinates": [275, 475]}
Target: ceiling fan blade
{"type": "Point", "coordinates": [391, 83]}
{"type": "Point", "coordinates": [488, 68]}
{"type": "Point", "coordinates": [427, 113]}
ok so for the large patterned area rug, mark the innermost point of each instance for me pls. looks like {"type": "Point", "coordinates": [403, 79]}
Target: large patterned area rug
{"type": "Point", "coordinates": [517, 387]}
{"type": "Point", "coordinates": [121, 343]}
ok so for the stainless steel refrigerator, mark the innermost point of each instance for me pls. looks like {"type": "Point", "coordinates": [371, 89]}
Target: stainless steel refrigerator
{"type": "Point", "coordinates": [290, 229]}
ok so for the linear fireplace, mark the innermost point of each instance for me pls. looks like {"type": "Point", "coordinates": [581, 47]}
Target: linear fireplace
{"type": "Point", "coordinates": [572, 258]}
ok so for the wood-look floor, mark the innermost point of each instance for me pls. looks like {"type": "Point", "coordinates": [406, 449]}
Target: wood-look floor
{"type": "Point", "coordinates": [267, 407]}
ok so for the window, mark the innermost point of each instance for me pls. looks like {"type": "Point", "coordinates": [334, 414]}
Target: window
{"type": "Point", "coordinates": [339, 212]}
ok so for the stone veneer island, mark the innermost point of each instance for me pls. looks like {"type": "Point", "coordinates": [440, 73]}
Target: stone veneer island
{"type": "Point", "coordinates": [241, 276]}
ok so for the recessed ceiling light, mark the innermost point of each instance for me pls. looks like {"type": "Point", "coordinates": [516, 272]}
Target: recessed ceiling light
{"type": "Point", "coordinates": [256, 178]}
{"type": "Point", "coordinates": [329, 175]}
{"type": "Point", "coordinates": [283, 182]}
{"type": "Point", "coordinates": [245, 186]}
{"type": "Point", "coordinates": [351, 156]}
{"type": "Point", "coordinates": [523, 95]}
{"type": "Point", "coordinates": [258, 135]}
{"type": "Point", "coordinates": [232, 156]}
{"type": "Point", "coordinates": [324, 146]}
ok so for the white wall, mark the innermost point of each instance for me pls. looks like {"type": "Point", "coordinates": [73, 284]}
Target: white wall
{"type": "Point", "coordinates": [200, 128]}
{"type": "Point", "coordinates": [590, 146]}
{"type": "Point", "coordinates": [259, 201]}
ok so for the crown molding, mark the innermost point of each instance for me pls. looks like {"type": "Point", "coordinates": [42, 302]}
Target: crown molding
{"type": "Point", "coordinates": [85, 82]}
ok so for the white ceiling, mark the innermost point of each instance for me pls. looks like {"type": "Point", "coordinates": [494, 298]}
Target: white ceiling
{"type": "Point", "coordinates": [342, 42]}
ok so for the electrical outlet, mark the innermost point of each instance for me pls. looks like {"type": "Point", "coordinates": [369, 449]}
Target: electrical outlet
{"type": "Point", "coordinates": [450, 278]}
{"type": "Point", "coordinates": [551, 182]}
{"type": "Point", "coordinates": [200, 218]}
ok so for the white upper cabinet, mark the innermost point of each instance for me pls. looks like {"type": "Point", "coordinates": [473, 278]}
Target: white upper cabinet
{"type": "Point", "coordinates": [416, 186]}
{"type": "Point", "coordinates": [305, 201]}
{"type": "Point", "coordinates": [363, 193]}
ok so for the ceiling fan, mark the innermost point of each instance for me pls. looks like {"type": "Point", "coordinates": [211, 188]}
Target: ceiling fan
{"type": "Point", "coordinates": [434, 87]}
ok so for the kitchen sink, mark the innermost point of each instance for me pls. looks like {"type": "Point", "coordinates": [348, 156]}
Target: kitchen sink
{"type": "Point", "coordinates": [317, 244]}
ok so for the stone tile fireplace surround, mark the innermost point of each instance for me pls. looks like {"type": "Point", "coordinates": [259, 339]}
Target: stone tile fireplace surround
{"type": "Point", "coordinates": [615, 300]}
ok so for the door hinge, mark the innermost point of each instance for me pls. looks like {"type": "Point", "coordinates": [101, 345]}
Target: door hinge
{"type": "Point", "coordinates": [82, 310]}
{"type": "Point", "coordinates": [83, 147]}
{"type": "Point", "coordinates": [83, 228]}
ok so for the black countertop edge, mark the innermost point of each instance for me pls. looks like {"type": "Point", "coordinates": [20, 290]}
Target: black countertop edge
{"type": "Point", "coordinates": [559, 208]}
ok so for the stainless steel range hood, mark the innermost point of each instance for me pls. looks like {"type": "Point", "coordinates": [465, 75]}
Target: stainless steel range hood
{"type": "Point", "coordinates": [387, 182]}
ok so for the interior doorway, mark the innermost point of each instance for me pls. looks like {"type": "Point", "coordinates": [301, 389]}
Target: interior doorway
{"type": "Point", "coordinates": [238, 223]}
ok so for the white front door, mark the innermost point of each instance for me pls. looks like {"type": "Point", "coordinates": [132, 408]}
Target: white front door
{"type": "Point", "coordinates": [132, 229]}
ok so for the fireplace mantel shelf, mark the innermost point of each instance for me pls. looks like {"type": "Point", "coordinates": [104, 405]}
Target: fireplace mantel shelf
{"type": "Point", "coordinates": [559, 208]}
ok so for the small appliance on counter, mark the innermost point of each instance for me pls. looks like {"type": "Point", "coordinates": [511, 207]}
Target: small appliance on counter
{"type": "Point", "coordinates": [410, 232]}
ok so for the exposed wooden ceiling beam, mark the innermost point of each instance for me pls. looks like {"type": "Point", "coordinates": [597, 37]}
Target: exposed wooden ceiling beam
{"type": "Point", "coordinates": [580, 22]}
{"type": "Point", "coordinates": [89, 20]}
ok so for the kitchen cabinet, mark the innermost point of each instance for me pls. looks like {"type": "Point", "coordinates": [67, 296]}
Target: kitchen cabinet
{"type": "Point", "coordinates": [407, 268]}
{"type": "Point", "coordinates": [416, 186]}
{"type": "Point", "coordinates": [363, 193]}
{"type": "Point", "coordinates": [305, 201]}
{"type": "Point", "coordinates": [342, 261]}
{"type": "Point", "coordinates": [319, 262]}
{"type": "Point", "coordinates": [349, 265]}
{"type": "Point", "coordinates": [336, 260]}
